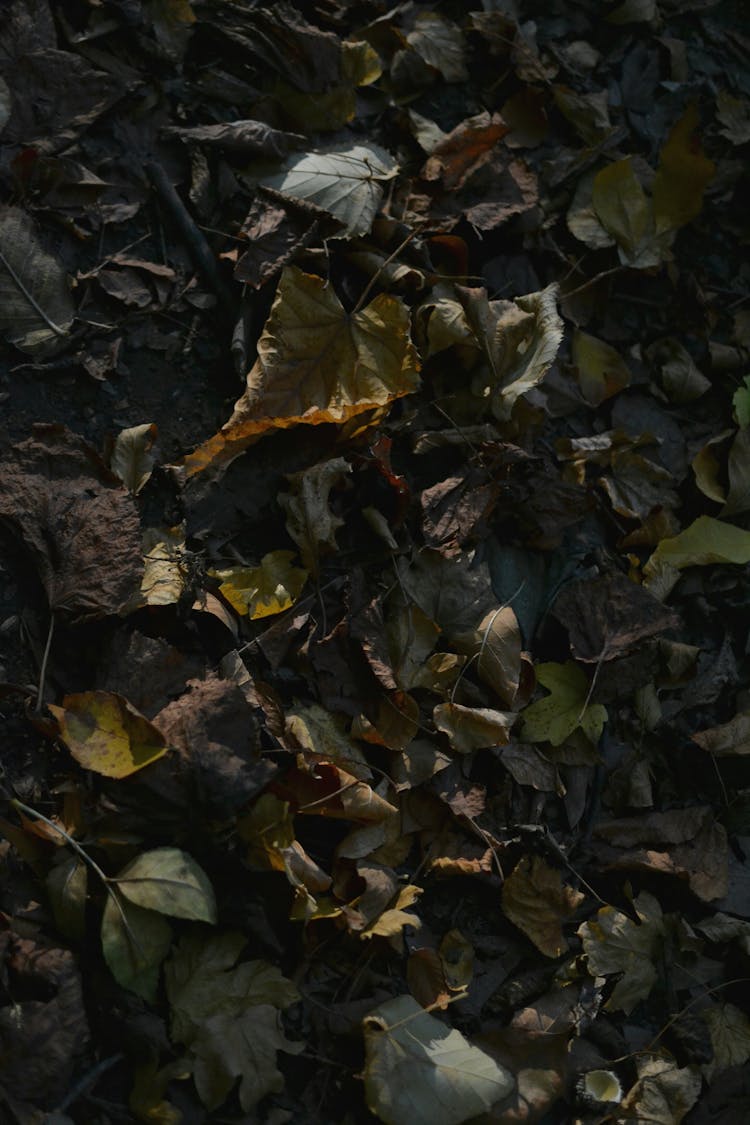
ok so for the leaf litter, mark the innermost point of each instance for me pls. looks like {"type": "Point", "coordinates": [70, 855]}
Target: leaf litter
{"type": "Point", "coordinates": [376, 749]}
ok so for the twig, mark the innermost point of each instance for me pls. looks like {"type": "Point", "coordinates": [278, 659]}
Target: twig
{"type": "Point", "coordinates": [88, 1081]}
{"type": "Point", "coordinates": [592, 281]}
{"type": "Point", "coordinates": [196, 243]}
{"type": "Point", "coordinates": [368, 288]}
{"type": "Point", "coordinates": [45, 659]}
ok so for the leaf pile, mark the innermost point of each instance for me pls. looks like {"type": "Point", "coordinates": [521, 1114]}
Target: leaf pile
{"type": "Point", "coordinates": [377, 747]}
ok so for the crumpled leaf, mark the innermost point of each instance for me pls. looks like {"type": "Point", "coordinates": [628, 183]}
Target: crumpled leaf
{"type": "Point", "coordinates": [227, 1015]}
{"type": "Point", "coordinates": [106, 734]}
{"type": "Point", "coordinates": [537, 901]}
{"type": "Point", "coordinates": [134, 942]}
{"type": "Point", "coordinates": [261, 591]}
{"type": "Point", "coordinates": [309, 520]}
{"type": "Point", "coordinates": [616, 945]}
{"type": "Point", "coordinates": [346, 184]}
{"type": "Point", "coordinates": [131, 458]}
{"type": "Point", "coordinates": [36, 307]}
{"type": "Point", "coordinates": [681, 378]}
{"type": "Point", "coordinates": [163, 567]}
{"type": "Point", "coordinates": [683, 175]}
{"type": "Point", "coordinates": [170, 882]}
{"type": "Point", "coordinates": [663, 1094]}
{"type": "Point", "coordinates": [316, 364]}
{"type": "Point", "coordinates": [77, 523]}
{"type": "Point", "coordinates": [565, 709]}
{"type": "Point", "coordinates": [473, 728]}
{"type": "Point", "coordinates": [421, 1071]}
{"type": "Point", "coordinates": [393, 919]}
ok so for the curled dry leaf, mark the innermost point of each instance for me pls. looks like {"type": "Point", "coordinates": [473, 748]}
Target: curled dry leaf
{"type": "Point", "coordinates": [131, 458]}
{"type": "Point", "coordinates": [317, 364]}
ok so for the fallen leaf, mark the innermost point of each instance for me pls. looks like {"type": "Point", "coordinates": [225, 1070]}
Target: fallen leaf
{"type": "Point", "coordinates": [264, 590]}
{"type": "Point", "coordinates": [728, 739]}
{"type": "Point", "coordinates": [170, 882]}
{"type": "Point", "coordinates": [600, 370]}
{"type": "Point", "coordinates": [393, 919]}
{"type": "Point", "coordinates": [131, 458]}
{"type": "Point", "coordinates": [419, 1070]}
{"type": "Point", "coordinates": [227, 1015]}
{"type": "Point", "coordinates": [36, 307]}
{"type": "Point", "coordinates": [730, 1037]}
{"type": "Point", "coordinates": [683, 175]}
{"type": "Point", "coordinates": [309, 519]}
{"type": "Point", "coordinates": [704, 542]}
{"type": "Point", "coordinates": [609, 615]}
{"type": "Point", "coordinates": [134, 942]}
{"type": "Point", "coordinates": [616, 945]}
{"type": "Point", "coordinates": [496, 646]}
{"type": "Point", "coordinates": [104, 733]}
{"type": "Point", "coordinates": [536, 900]}
{"type": "Point", "coordinates": [347, 183]}
{"type": "Point", "coordinates": [440, 43]}
{"type": "Point", "coordinates": [319, 732]}
{"type": "Point", "coordinates": [317, 364]}
{"type": "Point", "coordinates": [622, 207]}
{"type": "Point", "coordinates": [663, 1094]}
{"type": "Point", "coordinates": [473, 728]}
{"type": "Point", "coordinates": [67, 885]}
{"type": "Point", "coordinates": [566, 708]}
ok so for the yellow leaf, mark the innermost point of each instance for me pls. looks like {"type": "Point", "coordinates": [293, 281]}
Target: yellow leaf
{"type": "Point", "coordinates": [393, 920]}
{"type": "Point", "coordinates": [261, 591]}
{"type": "Point", "coordinates": [131, 458]}
{"type": "Point", "coordinates": [536, 900]}
{"type": "Point", "coordinates": [554, 718]}
{"type": "Point", "coordinates": [106, 734]}
{"type": "Point", "coordinates": [317, 363]}
{"type": "Point", "coordinates": [602, 372]}
{"type": "Point", "coordinates": [705, 542]}
{"type": "Point", "coordinates": [684, 174]}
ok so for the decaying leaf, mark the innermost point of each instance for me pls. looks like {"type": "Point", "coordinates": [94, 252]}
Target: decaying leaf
{"type": "Point", "coordinates": [309, 519]}
{"type": "Point", "coordinates": [617, 946]}
{"type": "Point", "coordinates": [226, 1014]}
{"type": "Point", "coordinates": [727, 739]}
{"type": "Point", "coordinates": [36, 307]}
{"type": "Point", "coordinates": [131, 458]}
{"type": "Point", "coordinates": [104, 733]}
{"type": "Point", "coordinates": [421, 1071]}
{"type": "Point", "coordinates": [663, 1094]}
{"type": "Point", "coordinates": [536, 900]}
{"type": "Point", "coordinates": [473, 728]}
{"type": "Point", "coordinates": [730, 1037]}
{"type": "Point", "coordinates": [316, 364]}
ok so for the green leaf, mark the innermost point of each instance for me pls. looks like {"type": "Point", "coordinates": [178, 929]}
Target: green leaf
{"type": "Point", "coordinates": [705, 542]}
{"type": "Point", "coordinates": [134, 943]}
{"type": "Point", "coordinates": [169, 881]}
{"type": "Point", "coordinates": [554, 718]}
{"type": "Point", "coordinates": [741, 403]}
{"type": "Point", "coordinates": [684, 174]}
{"type": "Point", "coordinates": [67, 885]}
{"type": "Point", "coordinates": [422, 1072]}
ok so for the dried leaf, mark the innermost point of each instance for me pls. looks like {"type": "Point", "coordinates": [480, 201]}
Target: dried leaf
{"type": "Point", "coordinates": [600, 370]}
{"type": "Point", "coordinates": [683, 175]}
{"type": "Point", "coordinates": [67, 885]}
{"type": "Point", "coordinates": [536, 900]}
{"type": "Point", "coordinates": [419, 1070]}
{"type": "Point", "coordinates": [473, 728]}
{"type": "Point", "coordinates": [730, 1037]}
{"type": "Point", "coordinates": [704, 542]}
{"type": "Point", "coordinates": [36, 308]}
{"type": "Point", "coordinates": [264, 590]}
{"type": "Point", "coordinates": [621, 206]}
{"type": "Point", "coordinates": [727, 739]}
{"type": "Point", "coordinates": [316, 364]}
{"type": "Point", "coordinates": [616, 945]}
{"type": "Point", "coordinates": [309, 519]}
{"type": "Point", "coordinates": [131, 458]}
{"type": "Point", "coordinates": [663, 1094]}
{"type": "Point", "coordinates": [346, 184]}
{"type": "Point", "coordinates": [104, 733]}
{"type": "Point", "coordinates": [441, 44]}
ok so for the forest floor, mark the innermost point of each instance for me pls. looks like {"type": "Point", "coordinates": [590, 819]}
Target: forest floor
{"type": "Point", "coordinates": [374, 562]}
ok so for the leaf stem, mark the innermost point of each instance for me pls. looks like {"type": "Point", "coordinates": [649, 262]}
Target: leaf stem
{"type": "Point", "coordinates": [19, 805]}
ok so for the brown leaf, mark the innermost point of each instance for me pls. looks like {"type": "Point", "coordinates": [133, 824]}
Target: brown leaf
{"type": "Point", "coordinates": [80, 528]}
{"type": "Point", "coordinates": [537, 901]}
{"type": "Point", "coordinates": [607, 616]}
{"type": "Point", "coordinates": [728, 739]}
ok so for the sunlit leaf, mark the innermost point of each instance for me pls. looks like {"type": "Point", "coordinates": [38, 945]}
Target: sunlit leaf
{"type": "Point", "coordinates": [566, 708]}
{"type": "Point", "coordinates": [170, 882]}
{"type": "Point", "coordinates": [420, 1071]}
{"type": "Point", "coordinates": [317, 363]}
{"type": "Point", "coordinates": [261, 591]}
{"type": "Point", "coordinates": [393, 920]}
{"type": "Point", "coordinates": [704, 542]}
{"type": "Point", "coordinates": [106, 734]}
{"type": "Point", "coordinates": [347, 184]}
